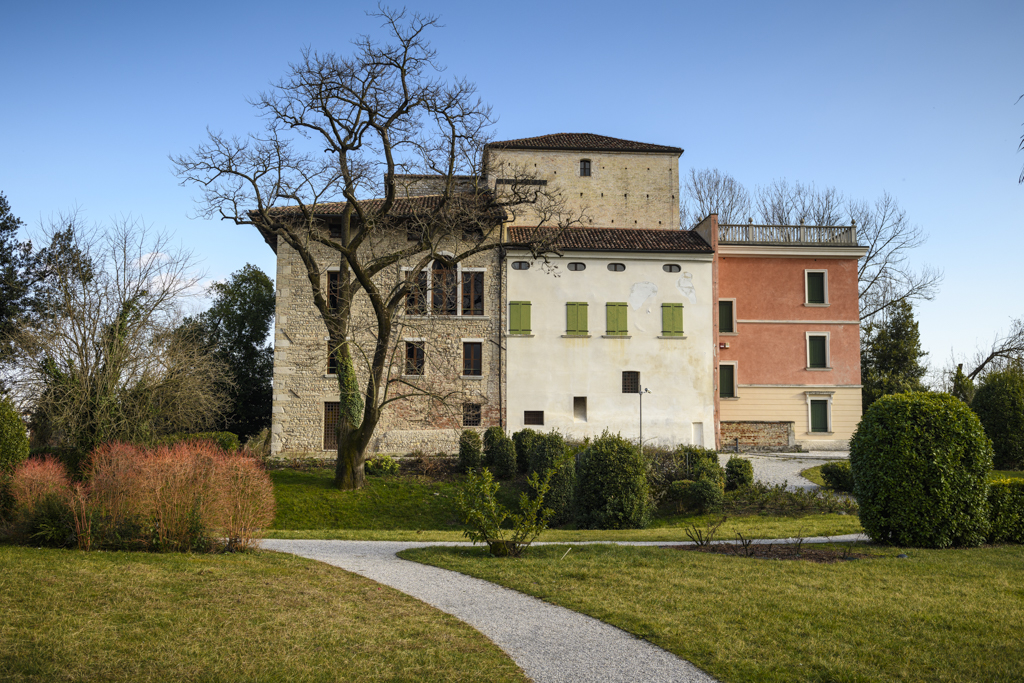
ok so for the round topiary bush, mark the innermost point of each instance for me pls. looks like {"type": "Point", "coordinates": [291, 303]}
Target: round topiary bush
{"type": "Point", "coordinates": [611, 487]}
{"type": "Point", "coordinates": [838, 476]}
{"type": "Point", "coordinates": [13, 438]}
{"type": "Point", "coordinates": [999, 403]}
{"type": "Point", "coordinates": [703, 496]}
{"type": "Point", "coordinates": [920, 463]}
{"type": "Point", "coordinates": [471, 455]}
{"type": "Point", "coordinates": [739, 472]}
{"type": "Point", "coordinates": [503, 457]}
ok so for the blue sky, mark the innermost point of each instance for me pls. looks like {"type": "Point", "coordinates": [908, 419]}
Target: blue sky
{"type": "Point", "coordinates": [914, 98]}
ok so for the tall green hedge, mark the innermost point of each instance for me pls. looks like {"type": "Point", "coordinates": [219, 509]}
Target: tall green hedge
{"type": "Point", "coordinates": [920, 463]}
{"type": "Point", "coordinates": [470, 452]}
{"type": "Point", "coordinates": [999, 403]}
{"type": "Point", "coordinates": [1006, 510]}
{"type": "Point", "coordinates": [548, 451]}
{"type": "Point", "coordinates": [13, 438]}
{"type": "Point", "coordinates": [523, 440]}
{"type": "Point", "coordinates": [611, 486]}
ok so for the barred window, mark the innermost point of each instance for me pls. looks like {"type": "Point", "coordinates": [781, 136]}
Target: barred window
{"type": "Point", "coordinates": [533, 417]}
{"type": "Point", "coordinates": [471, 415]}
{"type": "Point", "coordinates": [331, 413]}
{"type": "Point", "coordinates": [630, 382]}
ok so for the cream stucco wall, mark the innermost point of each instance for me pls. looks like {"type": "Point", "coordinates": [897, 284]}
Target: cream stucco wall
{"type": "Point", "coordinates": [546, 370]}
{"type": "Point", "coordinates": [789, 404]}
{"type": "Point", "coordinates": [624, 189]}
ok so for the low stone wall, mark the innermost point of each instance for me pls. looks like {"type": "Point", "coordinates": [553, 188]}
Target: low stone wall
{"type": "Point", "coordinates": [758, 436]}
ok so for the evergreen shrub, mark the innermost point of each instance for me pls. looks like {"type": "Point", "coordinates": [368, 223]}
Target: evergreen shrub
{"type": "Point", "coordinates": [13, 438]}
{"type": "Point", "coordinates": [549, 452]}
{"type": "Point", "coordinates": [503, 457]}
{"type": "Point", "coordinates": [612, 490]}
{"type": "Point", "coordinates": [1006, 511]}
{"type": "Point", "coordinates": [838, 476]}
{"type": "Point", "coordinates": [491, 436]}
{"type": "Point", "coordinates": [381, 465]}
{"type": "Point", "coordinates": [920, 463]}
{"type": "Point", "coordinates": [703, 496]}
{"type": "Point", "coordinates": [739, 472]}
{"type": "Point", "coordinates": [999, 404]}
{"type": "Point", "coordinates": [523, 440]}
{"type": "Point", "coordinates": [684, 463]}
{"type": "Point", "coordinates": [470, 453]}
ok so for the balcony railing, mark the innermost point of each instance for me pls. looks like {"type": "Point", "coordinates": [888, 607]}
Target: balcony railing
{"type": "Point", "coordinates": [811, 235]}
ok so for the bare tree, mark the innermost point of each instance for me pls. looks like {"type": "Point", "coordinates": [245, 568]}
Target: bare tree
{"type": "Point", "coordinates": [960, 374]}
{"type": "Point", "coordinates": [710, 191]}
{"type": "Point", "coordinates": [104, 362]}
{"type": "Point", "coordinates": [322, 179]}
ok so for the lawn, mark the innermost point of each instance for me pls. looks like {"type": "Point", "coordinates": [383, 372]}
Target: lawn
{"type": "Point", "coordinates": [412, 508]}
{"type": "Point", "coordinates": [814, 474]}
{"type": "Point", "coordinates": [950, 615]}
{"type": "Point", "coordinates": [69, 615]}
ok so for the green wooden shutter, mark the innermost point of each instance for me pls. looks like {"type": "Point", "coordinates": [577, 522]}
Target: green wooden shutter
{"type": "Point", "coordinates": [815, 288]}
{"type": "Point", "coordinates": [727, 381]}
{"type": "Point", "coordinates": [519, 317]}
{"type": "Point", "coordinates": [816, 352]}
{"type": "Point", "coordinates": [819, 416]}
{"type": "Point", "coordinates": [616, 318]}
{"type": "Point", "coordinates": [576, 319]}
{"type": "Point", "coordinates": [671, 320]}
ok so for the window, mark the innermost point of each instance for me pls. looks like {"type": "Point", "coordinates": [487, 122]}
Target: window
{"type": "Point", "coordinates": [520, 265]}
{"type": "Point", "coordinates": [584, 167]}
{"type": "Point", "coordinates": [414, 364]}
{"type": "Point", "coordinates": [472, 293]}
{"type": "Point", "coordinates": [727, 381]}
{"type": "Point", "coordinates": [519, 317]}
{"type": "Point", "coordinates": [443, 288]}
{"type": "Point", "coordinates": [726, 321]}
{"type": "Point", "coordinates": [331, 413]}
{"type": "Point", "coordinates": [472, 359]}
{"type": "Point", "coordinates": [615, 314]}
{"type": "Point", "coordinates": [630, 382]}
{"type": "Point", "coordinates": [471, 415]}
{"type": "Point", "coordinates": [416, 299]}
{"type": "Point", "coordinates": [576, 266]}
{"type": "Point", "coordinates": [672, 320]}
{"type": "Point", "coordinates": [817, 350]}
{"type": "Point", "coordinates": [414, 233]}
{"type": "Point", "coordinates": [819, 415]}
{"type": "Point", "coordinates": [671, 268]}
{"type": "Point", "coordinates": [816, 287]}
{"type": "Point", "coordinates": [616, 267]}
{"type": "Point", "coordinates": [576, 319]}
{"type": "Point", "coordinates": [533, 417]}
{"type": "Point", "coordinates": [332, 360]}
{"type": "Point", "coordinates": [579, 408]}
{"type": "Point", "coordinates": [333, 288]}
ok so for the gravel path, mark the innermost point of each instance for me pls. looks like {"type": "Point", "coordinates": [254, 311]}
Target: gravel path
{"type": "Point", "coordinates": [550, 643]}
{"type": "Point", "coordinates": [786, 467]}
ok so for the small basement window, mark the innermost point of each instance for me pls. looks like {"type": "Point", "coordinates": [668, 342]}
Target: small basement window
{"type": "Point", "coordinates": [533, 417]}
{"type": "Point", "coordinates": [630, 382]}
{"type": "Point", "coordinates": [471, 415]}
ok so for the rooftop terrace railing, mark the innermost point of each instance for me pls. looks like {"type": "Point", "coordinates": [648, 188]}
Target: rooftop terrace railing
{"type": "Point", "coordinates": [811, 235]}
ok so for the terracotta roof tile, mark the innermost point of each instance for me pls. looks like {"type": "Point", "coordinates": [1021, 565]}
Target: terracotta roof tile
{"type": "Point", "coordinates": [583, 142]}
{"type": "Point", "coordinates": [404, 206]}
{"type": "Point", "coordinates": [612, 239]}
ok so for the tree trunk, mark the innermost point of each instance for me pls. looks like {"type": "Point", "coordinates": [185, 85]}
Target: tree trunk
{"type": "Point", "coordinates": [348, 469]}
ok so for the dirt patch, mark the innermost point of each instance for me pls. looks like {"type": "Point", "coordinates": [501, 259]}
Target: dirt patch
{"type": "Point", "coordinates": [780, 551]}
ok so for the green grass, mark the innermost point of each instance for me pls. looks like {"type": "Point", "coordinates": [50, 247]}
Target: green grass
{"type": "Point", "coordinates": [414, 509]}
{"type": "Point", "coordinates": [814, 474]}
{"type": "Point", "coordinates": [950, 615]}
{"type": "Point", "coordinates": [74, 616]}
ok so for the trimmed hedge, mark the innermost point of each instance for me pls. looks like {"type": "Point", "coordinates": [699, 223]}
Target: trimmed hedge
{"type": "Point", "coordinates": [920, 463]}
{"type": "Point", "coordinates": [1006, 511]}
{"type": "Point", "coordinates": [999, 404]}
{"type": "Point", "coordinates": [549, 451]}
{"type": "Point", "coordinates": [838, 476]}
{"type": "Point", "coordinates": [471, 456]}
{"type": "Point", "coordinates": [523, 440]}
{"type": "Point", "coordinates": [739, 472]}
{"type": "Point", "coordinates": [491, 437]}
{"type": "Point", "coordinates": [611, 487]}
{"type": "Point", "coordinates": [503, 457]}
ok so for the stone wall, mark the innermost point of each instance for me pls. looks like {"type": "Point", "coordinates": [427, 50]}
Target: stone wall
{"type": "Point", "coordinates": [623, 190]}
{"type": "Point", "coordinates": [758, 436]}
{"type": "Point", "coordinates": [429, 419]}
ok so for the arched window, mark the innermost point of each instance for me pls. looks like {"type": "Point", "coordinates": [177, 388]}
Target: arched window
{"type": "Point", "coordinates": [444, 288]}
{"type": "Point", "coordinates": [671, 268]}
{"type": "Point", "coordinates": [616, 267]}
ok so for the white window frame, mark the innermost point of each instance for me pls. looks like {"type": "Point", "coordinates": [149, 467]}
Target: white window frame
{"type": "Point", "coordinates": [828, 350]}
{"type": "Point", "coordinates": [459, 270]}
{"type": "Point", "coordinates": [735, 326]}
{"type": "Point", "coordinates": [807, 291]}
{"type": "Point", "coordinates": [483, 364]}
{"type": "Point", "coordinates": [735, 381]}
{"type": "Point", "coordinates": [818, 396]}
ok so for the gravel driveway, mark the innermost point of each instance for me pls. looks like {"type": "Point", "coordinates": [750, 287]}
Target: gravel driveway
{"type": "Point", "coordinates": [786, 467]}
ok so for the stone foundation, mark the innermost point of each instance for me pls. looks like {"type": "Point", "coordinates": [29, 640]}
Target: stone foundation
{"type": "Point", "coordinates": [758, 436]}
